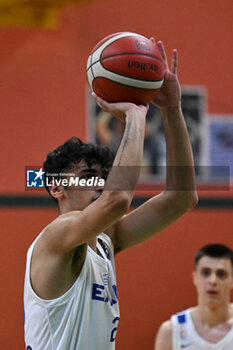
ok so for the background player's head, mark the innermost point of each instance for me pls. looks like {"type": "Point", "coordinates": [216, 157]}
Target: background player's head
{"type": "Point", "coordinates": [213, 275]}
{"type": "Point", "coordinates": [217, 251]}
{"type": "Point", "coordinates": [82, 159]}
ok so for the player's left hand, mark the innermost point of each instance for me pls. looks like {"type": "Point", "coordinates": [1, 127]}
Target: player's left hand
{"type": "Point", "coordinates": [169, 94]}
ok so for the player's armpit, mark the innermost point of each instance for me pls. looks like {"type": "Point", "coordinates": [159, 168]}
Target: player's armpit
{"type": "Point", "coordinates": [163, 339]}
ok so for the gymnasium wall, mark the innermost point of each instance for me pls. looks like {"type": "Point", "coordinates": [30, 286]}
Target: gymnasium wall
{"type": "Point", "coordinates": [154, 279]}
{"type": "Point", "coordinates": [43, 102]}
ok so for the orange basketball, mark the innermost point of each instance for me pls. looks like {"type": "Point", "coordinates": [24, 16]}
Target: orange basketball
{"type": "Point", "coordinates": [125, 67]}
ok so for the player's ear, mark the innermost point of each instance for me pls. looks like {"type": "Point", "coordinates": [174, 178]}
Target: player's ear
{"type": "Point", "coordinates": [232, 278]}
{"type": "Point", "coordinates": [56, 191]}
{"type": "Point", "coordinates": [194, 277]}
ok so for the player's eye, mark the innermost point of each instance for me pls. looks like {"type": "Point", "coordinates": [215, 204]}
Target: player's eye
{"type": "Point", "coordinates": [87, 176]}
{"type": "Point", "coordinates": [205, 272]}
{"type": "Point", "coordinates": [221, 274]}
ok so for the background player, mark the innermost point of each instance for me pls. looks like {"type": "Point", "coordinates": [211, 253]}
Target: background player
{"type": "Point", "coordinates": [70, 293]}
{"type": "Point", "coordinates": [209, 325]}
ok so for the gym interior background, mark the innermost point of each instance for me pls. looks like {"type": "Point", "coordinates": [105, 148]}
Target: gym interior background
{"type": "Point", "coordinates": [44, 101]}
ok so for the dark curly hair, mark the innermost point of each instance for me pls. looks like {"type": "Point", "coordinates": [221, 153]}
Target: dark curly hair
{"type": "Point", "coordinates": [72, 152]}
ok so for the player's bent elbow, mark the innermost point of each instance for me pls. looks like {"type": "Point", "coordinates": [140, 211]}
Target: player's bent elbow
{"type": "Point", "coordinates": [118, 202]}
{"type": "Point", "coordinates": [192, 199]}
{"type": "Point", "coordinates": [121, 202]}
{"type": "Point", "coordinates": [187, 200]}
{"type": "Point", "coordinates": [181, 201]}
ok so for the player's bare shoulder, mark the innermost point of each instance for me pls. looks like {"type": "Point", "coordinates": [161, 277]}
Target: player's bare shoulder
{"type": "Point", "coordinates": [55, 233]}
{"type": "Point", "coordinates": [54, 271]}
{"type": "Point", "coordinates": [164, 337]}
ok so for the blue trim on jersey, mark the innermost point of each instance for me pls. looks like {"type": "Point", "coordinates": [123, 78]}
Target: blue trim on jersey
{"type": "Point", "coordinates": [181, 318]}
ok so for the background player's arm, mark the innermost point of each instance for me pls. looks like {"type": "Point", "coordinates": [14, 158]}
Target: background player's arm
{"type": "Point", "coordinates": [179, 195]}
{"type": "Point", "coordinates": [75, 228]}
{"type": "Point", "coordinates": [163, 339]}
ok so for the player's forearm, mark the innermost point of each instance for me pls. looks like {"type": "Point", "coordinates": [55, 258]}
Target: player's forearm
{"type": "Point", "coordinates": [130, 150]}
{"type": "Point", "coordinates": [180, 178]}
{"type": "Point", "coordinates": [126, 167]}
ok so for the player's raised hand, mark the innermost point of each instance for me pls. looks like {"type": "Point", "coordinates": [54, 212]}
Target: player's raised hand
{"type": "Point", "coordinates": [121, 109]}
{"type": "Point", "coordinates": [169, 94]}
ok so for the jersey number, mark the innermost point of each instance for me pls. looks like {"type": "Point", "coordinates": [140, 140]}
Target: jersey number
{"type": "Point", "coordinates": [113, 333]}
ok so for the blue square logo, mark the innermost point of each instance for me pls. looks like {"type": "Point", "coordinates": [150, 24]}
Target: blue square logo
{"type": "Point", "coordinates": [35, 178]}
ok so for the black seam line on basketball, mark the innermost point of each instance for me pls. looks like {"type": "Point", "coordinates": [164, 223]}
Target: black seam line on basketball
{"type": "Point", "coordinates": [127, 36]}
{"type": "Point", "coordinates": [110, 42]}
{"type": "Point", "coordinates": [91, 67]}
{"type": "Point", "coordinates": [123, 54]}
{"type": "Point", "coordinates": [125, 76]}
{"type": "Point", "coordinates": [94, 79]}
{"type": "Point", "coordinates": [121, 75]}
{"type": "Point", "coordinates": [134, 87]}
{"type": "Point", "coordinates": [104, 49]}
{"type": "Point", "coordinates": [131, 53]}
{"type": "Point", "coordinates": [103, 90]}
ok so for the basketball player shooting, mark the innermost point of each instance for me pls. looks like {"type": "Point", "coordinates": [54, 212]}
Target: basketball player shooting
{"type": "Point", "coordinates": [70, 294]}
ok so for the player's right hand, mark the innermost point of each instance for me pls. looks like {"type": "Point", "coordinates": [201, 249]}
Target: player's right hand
{"type": "Point", "coordinates": [121, 109]}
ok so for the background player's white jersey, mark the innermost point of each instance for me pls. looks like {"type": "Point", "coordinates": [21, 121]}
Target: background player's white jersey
{"type": "Point", "coordinates": [85, 317]}
{"type": "Point", "coordinates": [185, 336]}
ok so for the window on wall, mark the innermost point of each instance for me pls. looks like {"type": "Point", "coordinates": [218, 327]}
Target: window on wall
{"type": "Point", "coordinates": [210, 142]}
{"type": "Point", "coordinates": [220, 147]}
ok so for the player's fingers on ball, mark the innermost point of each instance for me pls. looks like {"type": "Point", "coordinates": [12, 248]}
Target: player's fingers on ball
{"type": "Point", "coordinates": [146, 107]}
{"type": "Point", "coordinates": [163, 53]}
{"type": "Point", "coordinates": [174, 61]}
{"type": "Point", "coordinates": [103, 104]}
{"type": "Point", "coordinates": [93, 94]}
{"type": "Point", "coordinates": [152, 39]}
{"type": "Point", "coordinates": [96, 97]}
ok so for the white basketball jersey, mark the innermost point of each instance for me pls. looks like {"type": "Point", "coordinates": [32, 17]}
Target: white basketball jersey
{"type": "Point", "coordinates": [185, 336]}
{"type": "Point", "coordinates": [85, 317]}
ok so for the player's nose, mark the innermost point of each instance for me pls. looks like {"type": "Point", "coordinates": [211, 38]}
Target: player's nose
{"type": "Point", "coordinates": [213, 278]}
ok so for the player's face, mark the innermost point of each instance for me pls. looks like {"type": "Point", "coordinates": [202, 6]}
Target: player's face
{"type": "Point", "coordinates": [213, 279]}
{"type": "Point", "coordinates": [80, 197]}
